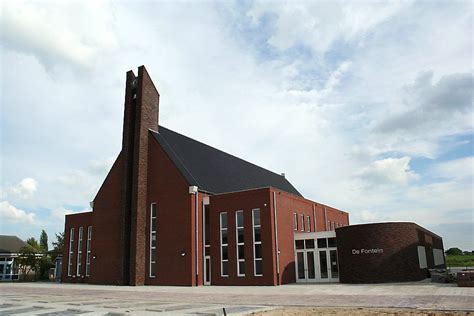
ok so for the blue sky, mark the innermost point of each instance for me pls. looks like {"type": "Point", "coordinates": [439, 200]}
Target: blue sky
{"type": "Point", "coordinates": [366, 106]}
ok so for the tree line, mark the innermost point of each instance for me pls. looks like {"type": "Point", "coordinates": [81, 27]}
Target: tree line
{"type": "Point", "coordinates": [36, 256]}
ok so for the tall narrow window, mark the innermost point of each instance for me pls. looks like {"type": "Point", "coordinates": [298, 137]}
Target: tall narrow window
{"type": "Point", "coordinates": [302, 222]}
{"type": "Point", "coordinates": [257, 243]}
{"type": "Point", "coordinates": [88, 256]}
{"type": "Point", "coordinates": [79, 252]}
{"type": "Point", "coordinates": [152, 240]}
{"type": "Point", "coordinates": [239, 237]}
{"type": "Point", "coordinates": [308, 223]}
{"type": "Point", "coordinates": [224, 245]}
{"type": "Point", "coordinates": [295, 221]}
{"type": "Point", "coordinates": [71, 252]}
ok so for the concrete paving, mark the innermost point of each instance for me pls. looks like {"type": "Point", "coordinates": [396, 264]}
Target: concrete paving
{"type": "Point", "coordinates": [84, 299]}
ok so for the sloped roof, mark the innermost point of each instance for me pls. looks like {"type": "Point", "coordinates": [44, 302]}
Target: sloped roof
{"type": "Point", "coordinates": [10, 244]}
{"type": "Point", "coordinates": [213, 170]}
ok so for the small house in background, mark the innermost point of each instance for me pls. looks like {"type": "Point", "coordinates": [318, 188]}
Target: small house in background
{"type": "Point", "coordinates": [9, 250]}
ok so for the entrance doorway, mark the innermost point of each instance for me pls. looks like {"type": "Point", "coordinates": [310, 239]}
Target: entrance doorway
{"type": "Point", "coordinates": [316, 257]}
{"type": "Point", "coordinates": [305, 265]}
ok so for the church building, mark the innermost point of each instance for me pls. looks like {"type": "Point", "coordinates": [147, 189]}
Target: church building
{"type": "Point", "coordinates": [175, 211]}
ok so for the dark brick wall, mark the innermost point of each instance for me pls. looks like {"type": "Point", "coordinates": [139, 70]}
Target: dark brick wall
{"type": "Point", "coordinates": [399, 260]}
{"type": "Point", "coordinates": [76, 221]}
{"type": "Point", "coordinates": [146, 117]}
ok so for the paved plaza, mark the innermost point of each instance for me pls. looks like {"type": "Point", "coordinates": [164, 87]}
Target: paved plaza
{"type": "Point", "coordinates": [84, 299]}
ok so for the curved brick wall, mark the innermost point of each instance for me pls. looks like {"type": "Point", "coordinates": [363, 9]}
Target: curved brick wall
{"type": "Point", "coordinates": [384, 252]}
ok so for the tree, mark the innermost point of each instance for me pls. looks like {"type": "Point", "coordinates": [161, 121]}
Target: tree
{"type": "Point", "coordinates": [33, 243]}
{"type": "Point", "coordinates": [454, 252]}
{"type": "Point", "coordinates": [59, 243]}
{"type": "Point", "coordinates": [44, 241]}
{"type": "Point", "coordinates": [27, 259]}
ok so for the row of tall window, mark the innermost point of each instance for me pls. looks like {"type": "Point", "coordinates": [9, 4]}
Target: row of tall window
{"type": "Point", "coordinates": [70, 266]}
{"type": "Point", "coordinates": [240, 243]}
{"type": "Point", "coordinates": [334, 225]}
{"type": "Point", "coordinates": [301, 223]}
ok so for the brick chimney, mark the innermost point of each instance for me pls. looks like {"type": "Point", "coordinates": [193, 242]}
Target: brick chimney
{"type": "Point", "coordinates": [141, 114]}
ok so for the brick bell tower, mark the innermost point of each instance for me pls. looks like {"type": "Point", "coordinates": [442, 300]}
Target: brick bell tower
{"type": "Point", "coordinates": [141, 114]}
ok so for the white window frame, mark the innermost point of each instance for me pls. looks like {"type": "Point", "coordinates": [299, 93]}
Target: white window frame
{"type": "Point", "coordinates": [295, 221]}
{"type": "Point", "coordinates": [302, 222]}
{"type": "Point", "coordinates": [88, 249]}
{"type": "Point", "coordinates": [71, 251]}
{"type": "Point", "coordinates": [221, 229]}
{"type": "Point", "coordinates": [308, 223]}
{"type": "Point", "coordinates": [79, 251]}
{"type": "Point", "coordinates": [237, 228]}
{"type": "Point", "coordinates": [152, 233]}
{"type": "Point", "coordinates": [257, 242]}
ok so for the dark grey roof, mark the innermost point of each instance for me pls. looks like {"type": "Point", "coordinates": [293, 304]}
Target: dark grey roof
{"type": "Point", "coordinates": [215, 171]}
{"type": "Point", "coordinates": [10, 244]}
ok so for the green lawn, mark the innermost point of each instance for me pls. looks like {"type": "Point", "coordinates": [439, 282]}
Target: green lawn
{"type": "Point", "coordinates": [460, 261]}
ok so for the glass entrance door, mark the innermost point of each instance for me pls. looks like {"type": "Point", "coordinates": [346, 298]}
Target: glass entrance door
{"type": "Point", "coordinates": [328, 270]}
{"type": "Point", "coordinates": [316, 257]}
{"type": "Point", "coordinates": [305, 261]}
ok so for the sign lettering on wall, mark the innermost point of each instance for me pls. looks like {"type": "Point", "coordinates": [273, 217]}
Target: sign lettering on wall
{"type": "Point", "coordinates": [363, 251]}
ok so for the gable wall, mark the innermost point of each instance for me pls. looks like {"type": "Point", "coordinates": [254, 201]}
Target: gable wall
{"type": "Point", "coordinates": [175, 233]}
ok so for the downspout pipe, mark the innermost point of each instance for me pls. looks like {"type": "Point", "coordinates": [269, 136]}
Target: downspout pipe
{"type": "Point", "coordinates": [314, 217]}
{"type": "Point", "coordinates": [325, 219]}
{"type": "Point", "coordinates": [277, 248]}
{"type": "Point", "coordinates": [197, 237]}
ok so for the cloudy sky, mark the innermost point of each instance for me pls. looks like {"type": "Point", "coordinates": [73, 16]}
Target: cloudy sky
{"type": "Point", "coordinates": [366, 106]}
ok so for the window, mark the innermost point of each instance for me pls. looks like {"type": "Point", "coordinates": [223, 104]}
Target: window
{"type": "Point", "coordinates": [224, 245]}
{"type": "Point", "coordinates": [71, 252]}
{"type": "Point", "coordinates": [239, 237]}
{"type": "Point", "coordinates": [295, 221]}
{"type": "Point", "coordinates": [438, 256]}
{"type": "Point", "coordinates": [257, 243]}
{"type": "Point", "coordinates": [152, 240]}
{"type": "Point", "coordinates": [422, 257]}
{"type": "Point", "coordinates": [302, 222]}
{"type": "Point", "coordinates": [88, 256]}
{"type": "Point", "coordinates": [308, 223]}
{"type": "Point", "coordinates": [79, 252]}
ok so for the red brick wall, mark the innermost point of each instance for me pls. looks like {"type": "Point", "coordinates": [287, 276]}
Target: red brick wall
{"type": "Point", "coordinates": [107, 222]}
{"type": "Point", "coordinates": [76, 221]}
{"type": "Point", "coordinates": [288, 204]}
{"type": "Point", "coordinates": [175, 233]}
{"type": "Point", "coordinates": [230, 203]}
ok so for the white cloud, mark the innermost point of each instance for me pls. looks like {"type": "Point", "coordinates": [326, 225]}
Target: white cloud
{"type": "Point", "coordinates": [388, 171]}
{"type": "Point", "coordinates": [320, 25]}
{"type": "Point", "coordinates": [23, 190]}
{"type": "Point", "coordinates": [59, 213]}
{"type": "Point", "coordinates": [10, 213]}
{"type": "Point", "coordinates": [49, 30]}
{"type": "Point", "coordinates": [459, 169]}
